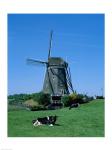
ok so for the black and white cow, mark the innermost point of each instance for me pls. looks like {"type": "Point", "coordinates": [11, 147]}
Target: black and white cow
{"type": "Point", "coordinates": [74, 105]}
{"type": "Point", "coordinates": [49, 120]}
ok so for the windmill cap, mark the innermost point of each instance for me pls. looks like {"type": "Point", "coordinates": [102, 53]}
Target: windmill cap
{"type": "Point", "coordinates": [57, 61]}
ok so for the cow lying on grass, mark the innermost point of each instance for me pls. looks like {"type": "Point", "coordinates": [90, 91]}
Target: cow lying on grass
{"type": "Point", "coordinates": [75, 105]}
{"type": "Point", "coordinates": [49, 120]}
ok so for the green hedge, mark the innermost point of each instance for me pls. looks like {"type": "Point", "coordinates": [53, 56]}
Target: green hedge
{"type": "Point", "coordinates": [42, 99]}
{"type": "Point", "coordinates": [65, 100]}
{"type": "Point", "coordinates": [74, 98]}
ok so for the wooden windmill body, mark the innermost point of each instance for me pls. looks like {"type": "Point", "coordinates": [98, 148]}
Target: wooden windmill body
{"type": "Point", "coordinates": [55, 81]}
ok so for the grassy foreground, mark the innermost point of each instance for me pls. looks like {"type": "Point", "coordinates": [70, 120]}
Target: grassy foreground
{"type": "Point", "coordinates": [85, 121]}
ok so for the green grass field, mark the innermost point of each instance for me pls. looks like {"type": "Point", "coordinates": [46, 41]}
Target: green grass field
{"type": "Point", "coordinates": [85, 121]}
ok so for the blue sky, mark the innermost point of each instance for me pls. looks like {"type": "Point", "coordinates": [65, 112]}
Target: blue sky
{"type": "Point", "coordinates": [78, 38]}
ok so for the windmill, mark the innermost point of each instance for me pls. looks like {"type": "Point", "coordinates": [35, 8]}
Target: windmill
{"type": "Point", "coordinates": [57, 80]}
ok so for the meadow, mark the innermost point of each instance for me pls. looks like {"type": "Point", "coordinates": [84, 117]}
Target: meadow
{"type": "Point", "coordinates": [85, 121]}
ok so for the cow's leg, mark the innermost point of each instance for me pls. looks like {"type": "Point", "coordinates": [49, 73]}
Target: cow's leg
{"type": "Point", "coordinates": [36, 123]}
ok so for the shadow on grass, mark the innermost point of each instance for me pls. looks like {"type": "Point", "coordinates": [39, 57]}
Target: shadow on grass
{"type": "Point", "coordinates": [57, 124]}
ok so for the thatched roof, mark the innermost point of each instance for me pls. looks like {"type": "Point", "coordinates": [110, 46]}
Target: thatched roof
{"type": "Point", "coordinates": [57, 61]}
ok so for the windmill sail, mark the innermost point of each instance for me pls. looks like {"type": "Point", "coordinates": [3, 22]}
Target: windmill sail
{"type": "Point", "coordinates": [69, 80]}
{"type": "Point", "coordinates": [50, 45]}
{"type": "Point", "coordinates": [36, 62]}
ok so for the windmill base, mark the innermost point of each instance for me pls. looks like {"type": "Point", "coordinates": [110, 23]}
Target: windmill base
{"type": "Point", "coordinates": [56, 102]}
{"type": "Point", "coordinates": [56, 99]}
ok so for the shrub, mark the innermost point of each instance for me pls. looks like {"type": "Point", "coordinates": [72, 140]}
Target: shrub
{"type": "Point", "coordinates": [42, 99]}
{"type": "Point", "coordinates": [82, 98]}
{"type": "Point", "coordinates": [73, 98]}
{"type": "Point", "coordinates": [99, 97]}
{"type": "Point", "coordinates": [35, 101]}
{"type": "Point", "coordinates": [18, 98]}
{"type": "Point", "coordinates": [30, 102]}
{"type": "Point", "coordinates": [65, 100]}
